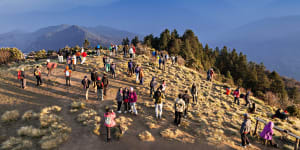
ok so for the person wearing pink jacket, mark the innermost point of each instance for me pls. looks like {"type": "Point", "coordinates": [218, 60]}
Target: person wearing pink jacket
{"type": "Point", "coordinates": [132, 100]}
{"type": "Point", "coordinates": [267, 134]}
{"type": "Point", "coordinates": [110, 122]}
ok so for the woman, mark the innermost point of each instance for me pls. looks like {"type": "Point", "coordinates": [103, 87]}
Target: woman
{"type": "Point", "coordinates": [132, 99]}
{"type": "Point", "coordinates": [141, 76]}
{"type": "Point", "coordinates": [119, 99]}
{"type": "Point", "coordinates": [110, 122]}
{"type": "Point", "coordinates": [126, 100]}
{"type": "Point", "coordinates": [267, 134]}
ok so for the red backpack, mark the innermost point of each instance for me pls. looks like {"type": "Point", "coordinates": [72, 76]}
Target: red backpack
{"type": "Point", "coordinates": [19, 75]}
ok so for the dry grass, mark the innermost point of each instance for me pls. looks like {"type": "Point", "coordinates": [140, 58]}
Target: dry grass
{"type": "Point", "coordinates": [31, 131]}
{"type": "Point", "coordinates": [10, 116]}
{"type": "Point", "coordinates": [152, 125]}
{"type": "Point", "coordinates": [14, 143]}
{"type": "Point", "coordinates": [53, 140]}
{"type": "Point", "coordinates": [29, 115]}
{"type": "Point", "coordinates": [178, 135]}
{"type": "Point", "coordinates": [146, 136]}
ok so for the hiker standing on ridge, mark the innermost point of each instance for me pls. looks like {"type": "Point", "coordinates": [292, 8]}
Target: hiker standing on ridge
{"type": "Point", "coordinates": [173, 59]}
{"type": "Point", "coordinates": [186, 99]}
{"type": "Point", "coordinates": [130, 68]}
{"type": "Point", "coordinates": [131, 52]}
{"type": "Point", "coordinates": [153, 84]}
{"type": "Point", "coordinates": [245, 130]}
{"type": "Point", "coordinates": [38, 75]}
{"type": "Point", "coordinates": [113, 70]}
{"type": "Point", "coordinates": [86, 85]}
{"type": "Point", "coordinates": [160, 60]}
{"type": "Point", "coordinates": [69, 62]}
{"type": "Point", "coordinates": [137, 73]}
{"type": "Point", "coordinates": [158, 98]}
{"type": "Point", "coordinates": [22, 78]}
{"type": "Point", "coordinates": [133, 99]}
{"type": "Point", "coordinates": [247, 98]}
{"type": "Point", "coordinates": [104, 61]}
{"type": "Point", "coordinates": [119, 99]}
{"type": "Point", "coordinates": [164, 63]}
{"type": "Point", "coordinates": [94, 76]}
{"type": "Point", "coordinates": [141, 76]}
{"type": "Point", "coordinates": [126, 100]}
{"type": "Point", "coordinates": [105, 83]}
{"type": "Point", "coordinates": [100, 87]}
{"type": "Point", "coordinates": [236, 95]}
{"type": "Point", "coordinates": [179, 109]}
{"type": "Point", "coordinates": [110, 122]}
{"type": "Point", "coordinates": [194, 93]}
{"type": "Point", "coordinates": [210, 74]}
{"type": "Point", "coordinates": [68, 76]}
{"type": "Point", "coordinates": [107, 64]}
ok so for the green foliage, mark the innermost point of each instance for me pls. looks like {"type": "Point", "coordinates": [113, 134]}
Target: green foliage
{"type": "Point", "coordinates": [125, 41]}
{"type": "Point", "coordinates": [10, 54]}
{"type": "Point", "coordinates": [294, 110]}
{"type": "Point", "coordinates": [135, 41]}
{"type": "Point", "coordinates": [41, 54]}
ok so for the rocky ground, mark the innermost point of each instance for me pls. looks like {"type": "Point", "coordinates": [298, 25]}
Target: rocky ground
{"type": "Point", "coordinates": [55, 116]}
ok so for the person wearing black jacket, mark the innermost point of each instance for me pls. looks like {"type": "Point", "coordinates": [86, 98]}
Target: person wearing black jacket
{"type": "Point", "coordinates": [186, 99]}
{"type": "Point", "coordinates": [100, 87]}
{"type": "Point", "coordinates": [94, 76]}
{"type": "Point", "coordinates": [105, 83]}
{"type": "Point", "coordinates": [126, 100]}
{"type": "Point", "coordinates": [86, 85]}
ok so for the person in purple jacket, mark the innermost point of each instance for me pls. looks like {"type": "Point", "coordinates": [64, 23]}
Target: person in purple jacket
{"type": "Point", "coordinates": [132, 100]}
{"type": "Point", "coordinates": [267, 134]}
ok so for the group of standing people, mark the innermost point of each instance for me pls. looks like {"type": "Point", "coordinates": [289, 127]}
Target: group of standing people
{"type": "Point", "coordinates": [128, 98]}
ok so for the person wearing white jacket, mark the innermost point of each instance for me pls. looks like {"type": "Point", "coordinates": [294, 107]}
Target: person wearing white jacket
{"type": "Point", "coordinates": [131, 52]}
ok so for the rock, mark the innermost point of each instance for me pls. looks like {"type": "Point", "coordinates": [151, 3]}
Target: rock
{"type": "Point", "coordinates": [146, 136]}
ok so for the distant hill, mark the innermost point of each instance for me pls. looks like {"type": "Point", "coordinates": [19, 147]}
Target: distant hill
{"type": "Point", "coordinates": [55, 37]}
{"type": "Point", "coordinates": [273, 41]}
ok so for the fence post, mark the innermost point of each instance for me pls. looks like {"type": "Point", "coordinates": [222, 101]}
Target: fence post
{"type": "Point", "coordinates": [296, 144]}
{"type": "Point", "coordinates": [256, 125]}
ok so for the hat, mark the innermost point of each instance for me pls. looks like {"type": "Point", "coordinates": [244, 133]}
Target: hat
{"type": "Point", "coordinates": [85, 76]}
{"type": "Point", "coordinates": [131, 88]}
{"type": "Point", "coordinates": [22, 69]}
{"type": "Point", "coordinates": [246, 115]}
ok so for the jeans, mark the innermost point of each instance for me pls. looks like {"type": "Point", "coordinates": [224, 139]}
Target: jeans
{"type": "Point", "coordinates": [137, 77]}
{"type": "Point", "coordinates": [151, 91]}
{"type": "Point", "coordinates": [68, 81]}
{"type": "Point", "coordinates": [119, 106]}
{"type": "Point", "coordinates": [178, 116]}
{"type": "Point", "coordinates": [236, 99]}
{"type": "Point", "coordinates": [133, 108]}
{"type": "Point", "coordinates": [38, 80]}
{"type": "Point", "coordinates": [126, 106]}
{"type": "Point", "coordinates": [245, 140]}
{"type": "Point", "coordinates": [186, 109]}
{"type": "Point", "coordinates": [142, 81]}
{"type": "Point", "coordinates": [158, 110]}
{"type": "Point", "coordinates": [100, 94]}
{"type": "Point", "coordinates": [23, 83]}
{"type": "Point", "coordinates": [194, 98]}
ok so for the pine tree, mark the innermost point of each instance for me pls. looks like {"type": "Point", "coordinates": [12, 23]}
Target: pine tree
{"type": "Point", "coordinates": [165, 37]}
{"type": "Point", "coordinates": [135, 40]}
{"type": "Point", "coordinates": [86, 43]}
{"type": "Point", "coordinates": [125, 41]}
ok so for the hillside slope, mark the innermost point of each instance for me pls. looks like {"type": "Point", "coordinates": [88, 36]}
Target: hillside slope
{"type": "Point", "coordinates": [214, 121]}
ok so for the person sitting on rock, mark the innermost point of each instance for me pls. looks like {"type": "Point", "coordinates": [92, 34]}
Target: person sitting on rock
{"type": "Point", "coordinates": [245, 130]}
{"type": "Point", "coordinates": [267, 134]}
{"type": "Point", "coordinates": [179, 108]}
{"type": "Point", "coordinates": [280, 115]}
{"type": "Point", "coordinates": [110, 122]}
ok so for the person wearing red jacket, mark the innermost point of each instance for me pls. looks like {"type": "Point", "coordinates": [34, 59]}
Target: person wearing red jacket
{"type": "Point", "coordinates": [236, 95]}
{"type": "Point", "coordinates": [134, 51]}
{"type": "Point", "coordinates": [110, 122]}
{"type": "Point", "coordinates": [83, 54]}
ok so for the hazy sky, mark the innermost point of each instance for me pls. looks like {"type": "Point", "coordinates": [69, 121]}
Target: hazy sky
{"type": "Point", "coordinates": [206, 17]}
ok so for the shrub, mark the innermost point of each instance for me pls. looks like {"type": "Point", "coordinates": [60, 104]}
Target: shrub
{"type": "Point", "coordinates": [10, 54]}
{"type": "Point", "coordinates": [31, 132]}
{"type": "Point", "coordinates": [10, 116]}
{"type": "Point", "coordinates": [16, 143]}
{"type": "Point", "coordinates": [293, 110]}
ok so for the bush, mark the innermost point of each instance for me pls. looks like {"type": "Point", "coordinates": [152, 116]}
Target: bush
{"type": "Point", "coordinates": [10, 54]}
{"type": "Point", "coordinates": [293, 110]}
{"type": "Point", "coordinates": [10, 116]}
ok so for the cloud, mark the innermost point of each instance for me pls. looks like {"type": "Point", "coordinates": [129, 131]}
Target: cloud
{"type": "Point", "coordinates": [22, 6]}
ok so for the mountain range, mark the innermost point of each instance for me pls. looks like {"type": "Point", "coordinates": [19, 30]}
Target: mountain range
{"type": "Point", "coordinates": [273, 41]}
{"type": "Point", "coordinates": [55, 37]}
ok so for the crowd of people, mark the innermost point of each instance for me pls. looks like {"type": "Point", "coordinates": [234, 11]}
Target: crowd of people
{"type": "Point", "coordinates": [127, 98]}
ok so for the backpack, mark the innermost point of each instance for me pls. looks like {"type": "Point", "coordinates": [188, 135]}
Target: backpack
{"type": "Point", "coordinates": [19, 75]}
{"type": "Point", "coordinates": [67, 73]}
{"type": "Point", "coordinates": [179, 107]}
{"type": "Point", "coordinates": [36, 73]}
{"type": "Point", "coordinates": [107, 120]}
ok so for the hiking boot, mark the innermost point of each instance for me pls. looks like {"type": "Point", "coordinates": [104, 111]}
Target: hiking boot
{"type": "Point", "coordinates": [178, 125]}
{"type": "Point", "coordinates": [242, 146]}
{"type": "Point", "coordinates": [119, 111]}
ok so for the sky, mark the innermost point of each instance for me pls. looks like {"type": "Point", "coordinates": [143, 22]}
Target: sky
{"type": "Point", "coordinates": [207, 18]}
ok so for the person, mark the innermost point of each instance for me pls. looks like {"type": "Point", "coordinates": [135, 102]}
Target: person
{"type": "Point", "coordinates": [86, 85]}
{"type": "Point", "coordinates": [211, 72]}
{"type": "Point", "coordinates": [126, 100]}
{"type": "Point", "coordinates": [160, 62]}
{"type": "Point", "coordinates": [153, 84]}
{"type": "Point", "coordinates": [110, 122]}
{"type": "Point", "coordinates": [173, 59]}
{"type": "Point", "coordinates": [22, 78]}
{"type": "Point", "coordinates": [137, 73]}
{"type": "Point", "coordinates": [131, 52]}
{"type": "Point", "coordinates": [194, 93]}
{"type": "Point", "coordinates": [98, 50]}
{"type": "Point", "coordinates": [280, 115]}
{"type": "Point", "coordinates": [124, 51]}
{"type": "Point", "coordinates": [105, 83]}
{"type": "Point", "coordinates": [119, 99]}
{"type": "Point", "coordinates": [228, 91]}
{"type": "Point", "coordinates": [163, 87]}
{"type": "Point", "coordinates": [252, 109]}
{"type": "Point", "coordinates": [141, 76]}
{"type": "Point", "coordinates": [158, 97]}
{"type": "Point", "coordinates": [116, 47]}
{"type": "Point", "coordinates": [74, 62]}
{"type": "Point", "coordinates": [83, 54]}
{"type": "Point", "coordinates": [267, 134]}
{"type": "Point", "coordinates": [132, 100]}
{"type": "Point", "coordinates": [245, 130]}
{"type": "Point", "coordinates": [50, 66]}
{"type": "Point", "coordinates": [186, 99]}
{"type": "Point", "coordinates": [164, 63]}
{"type": "Point", "coordinates": [60, 58]}
{"type": "Point", "coordinates": [68, 76]}
{"type": "Point", "coordinates": [130, 66]}
{"type": "Point", "coordinates": [94, 76]}
{"type": "Point", "coordinates": [236, 95]}
{"type": "Point", "coordinates": [179, 107]}
{"type": "Point", "coordinates": [100, 87]}
{"type": "Point", "coordinates": [176, 59]}
{"type": "Point", "coordinates": [104, 61]}
{"type": "Point", "coordinates": [69, 62]}
{"type": "Point", "coordinates": [110, 50]}
{"type": "Point", "coordinates": [153, 55]}
{"type": "Point", "coordinates": [78, 56]}
{"type": "Point", "coordinates": [107, 64]}
{"type": "Point", "coordinates": [113, 70]}
{"type": "Point", "coordinates": [247, 98]}
{"type": "Point", "coordinates": [38, 75]}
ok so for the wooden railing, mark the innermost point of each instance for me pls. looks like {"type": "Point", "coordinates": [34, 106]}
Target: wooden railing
{"type": "Point", "coordinates": [280, 130]}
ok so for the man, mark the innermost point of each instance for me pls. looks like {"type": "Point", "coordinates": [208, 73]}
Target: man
{"type": "Point", "coordinates": [78, 57]}
{"type": "Point", "coordinates": [105, 83]}
{"type": "Point", "coordinates": [179, 108]}
{"type": "Point", "coordinates": [194, 93]}
{"type": "Point", "coordinates": [236, 95]}
{"type": "Point", "coordinates": [158, 97]}
{"type": "Point", "coordinates": [74, 61]}
{"type": "Point", "coordinates": [113, 70]}
{"type": "Point", "coordinates": [68, 76]}
{"type": "Point", "coordinates": [86, 85]}
{"type": "Point", "coordinates": [186, 99]}
{"type": "Point", "coordinates": [100, 87]}
{"type": "Point", "coordinates": [245, 130]}
{"type": "Point", "coordinates": [137, 73]}
{"type": "Point", "coordinates": [247, 98]}
{"type": "Point", "coordinates": [130, 66]}
{"type": "Point", "coordinates": [94, 76]}
{"type": "Point", "coordinates": [38, 76]}
{"type": "Point", "coordinates": [22, 78]}
{"type": "Point", "coordinates": [153, 84]}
